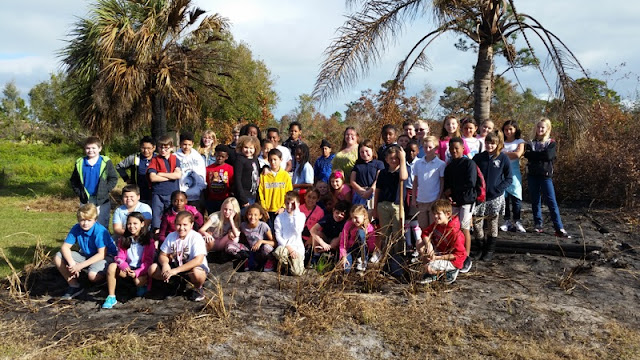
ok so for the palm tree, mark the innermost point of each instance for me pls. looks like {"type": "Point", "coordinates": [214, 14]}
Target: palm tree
{"type": "Point", "coordinates": [488, 24]}
{"type": "Point", "coordinates": [134, 62]}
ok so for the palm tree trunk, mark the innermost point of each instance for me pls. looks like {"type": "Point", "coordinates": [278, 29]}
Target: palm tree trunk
{"type": "Point", "coordinates": [482, 83]}
{"type": "Point", "coordinates": [158, 117]}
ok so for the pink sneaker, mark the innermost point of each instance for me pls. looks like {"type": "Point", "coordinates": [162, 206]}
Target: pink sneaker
{"type": "Point", "coordinates": [269, 265]}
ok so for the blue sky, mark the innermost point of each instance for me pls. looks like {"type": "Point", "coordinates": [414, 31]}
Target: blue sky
{"type": "Point", "coordinates": [290, 37]}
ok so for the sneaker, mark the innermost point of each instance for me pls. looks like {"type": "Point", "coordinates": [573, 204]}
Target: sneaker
{"type": "Point", "coordinates": [314, 259]}
{"type": "Point", "coordinates": [563, 233]}
{"type": "Point", "coordinates": [242, 254]}
{"type": "Point", "coordinates": [71, 292]}
{"type": "Point", "coordinates": [360, 266]}
{"type": "Point", "coordinates": [519, 228]}
{"type": "Point", "coordinates": [141, 291]}
{"type": "Point", "coordinates": [269, 266]}
{"type": "Point", "coordinates": [506, 226]}
{"type": "Point", "coordinates": [197, 294]}
{"type": "Point", "coordinates": [109, 302]}
{"type": "Point", "coordinates": [427, 279]}
{"type": "Point", "coordinates": [451, 276]}
{"type": "Point", "coordinates": [375, 258]}
{"type": "Point", "coordinates": [466, 266]}
{"type": "Point", "coordinates": [538, 229]}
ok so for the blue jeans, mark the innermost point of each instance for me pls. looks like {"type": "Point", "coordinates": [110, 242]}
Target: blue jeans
{"type": "Point", "coordinates": [359, 200]}
{"type": "Point", "coordinates": [159, 202]}
{"type": "Point", "coordinates": [104, 212]}
{"type": "Point", "coordinates": [512, 202]}
{"type": "Point", "coordinates": [542, 186]}
{"type": "Point", "coordinates": [359, 249]}
{"type": "Point", "coordinates": [243, 210]}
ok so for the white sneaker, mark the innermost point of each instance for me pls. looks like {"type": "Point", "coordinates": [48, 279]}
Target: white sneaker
{"type": "Point", "coordinates": [450, 277]}
{"type": "Point", "coordinates": [359, 265]}
{"type": "Point", "coordinates": [466, 266]}
{"type": "Point", "coordinates": [375, 258]}
{"type": "Point", "coordinates": [519, 227]}
{"type": "Point", "coordinates": [415, 257]}
{"type": "Point", "coordinates": [506, 226]}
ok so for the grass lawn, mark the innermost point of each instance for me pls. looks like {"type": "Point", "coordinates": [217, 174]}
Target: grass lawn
{"type": "Point", "coordinates": [21, 229]}
{"type": "Point", "coordinates": [36, 200]}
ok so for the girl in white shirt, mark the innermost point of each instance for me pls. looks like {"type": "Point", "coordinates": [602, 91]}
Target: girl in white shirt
{"type": "Point", "coordinates": [288, 227]}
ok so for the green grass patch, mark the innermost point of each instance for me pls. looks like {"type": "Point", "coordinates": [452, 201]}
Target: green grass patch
{"type": "Point", "coordinates": [21, 229]}
{"type": "Point", "coordinates": [34, 169]}
{"type": "Point", "coordinates": [36, 200]}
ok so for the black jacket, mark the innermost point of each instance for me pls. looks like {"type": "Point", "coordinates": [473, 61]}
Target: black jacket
{"type": "Point", "coordinates": [107, 181]}
{"type": "Point", "coordinates": [496, 172]}
{"type": "Point", "coordinates": [245, 181]}
{"type": "Point", "coordinates": [541, 157]}
{"type": "Point", "coordinates": [460, 176]}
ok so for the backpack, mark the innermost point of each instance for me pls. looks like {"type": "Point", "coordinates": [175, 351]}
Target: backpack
{"type": "Point", "coordinates": [481, 187]}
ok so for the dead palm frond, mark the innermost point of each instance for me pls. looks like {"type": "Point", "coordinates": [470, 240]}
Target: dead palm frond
{"type": "Point", "coordinates": [489, 24]}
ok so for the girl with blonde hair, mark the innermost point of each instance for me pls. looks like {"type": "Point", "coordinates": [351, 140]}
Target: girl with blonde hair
{"type": "Point", "coordinates": [541, 153]}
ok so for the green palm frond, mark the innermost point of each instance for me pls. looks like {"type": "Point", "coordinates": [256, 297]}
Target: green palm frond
{"type": "Point", "coordinates": [128, 52]}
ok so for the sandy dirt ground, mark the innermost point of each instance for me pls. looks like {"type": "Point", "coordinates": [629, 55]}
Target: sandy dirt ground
{"type": "Point", "coordinates": [524, 297]}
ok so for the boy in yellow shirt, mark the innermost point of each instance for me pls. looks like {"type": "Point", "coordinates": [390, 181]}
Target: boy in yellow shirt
{"type": "Point", "coordinates": [274, 184]}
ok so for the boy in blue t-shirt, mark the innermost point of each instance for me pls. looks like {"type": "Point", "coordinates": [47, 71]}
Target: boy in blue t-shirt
{"type": "Point", "coordinates": [130, 203]}
{"type": "Point", "coordinates": [96, 248]}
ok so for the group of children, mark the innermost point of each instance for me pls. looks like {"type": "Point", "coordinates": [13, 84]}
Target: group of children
{"type": "Point", "coordinates": [267, 207]}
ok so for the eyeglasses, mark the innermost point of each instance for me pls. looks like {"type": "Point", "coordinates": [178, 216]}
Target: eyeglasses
{"type": "Point", "coordinates": [166, 147]}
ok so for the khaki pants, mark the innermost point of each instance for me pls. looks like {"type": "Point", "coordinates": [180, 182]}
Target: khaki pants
{"type": "Point", "coordinates": [425, 217]}
{"type": "Point", "coordinates": [390, 225]}
{"type": "Point", "coordinates": [296, 266]}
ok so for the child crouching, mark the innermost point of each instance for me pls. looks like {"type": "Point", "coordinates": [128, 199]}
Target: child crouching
{"type": "Point", "coordinates": [356, 239]}
{"type": "Point", "coordinates": [442, 246]}
{"type": "Point", "coordinates": [257, 235]}
{"type": "Point", "coordinates": [288, 227]}
{"type": "Point", "coordinates": [135, 256]}
{"type": "Point", "coordinates": [183, 252]}
{"type": "Point", "coordinates": [96, 248]}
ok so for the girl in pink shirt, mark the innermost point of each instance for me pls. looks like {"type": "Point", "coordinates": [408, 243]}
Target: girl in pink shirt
{"type": "Point", "coordinates": [167, 223]}
{"type": "Point", "coordinates": [312, 211]}
{"type": "Point", "coordinates": [356, 240]}
{"type": "Point", "coordinates": [340, 190]}
{"type": "Point", "coordinates": [450, 128]}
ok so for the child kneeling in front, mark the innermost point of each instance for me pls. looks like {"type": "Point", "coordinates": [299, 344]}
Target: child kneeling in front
{"type": "Point", "coordinates": [96, 248]}
{"type": "Point", "coordinates": [288, 227]}
{"type": "Point", "coordinates": [258, 236]}
{"type": "Point", "coordinates": [442, 246]}
{"type": "Point", "coordinates": [135, 255]}
{"type": "Point", "coordinates": [183, 252]}
{"type": "Point", "coordinates": [356, 239]}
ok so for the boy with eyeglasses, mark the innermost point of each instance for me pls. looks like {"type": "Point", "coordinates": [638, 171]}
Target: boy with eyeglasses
{"type": "Point", "coordinates": [164, 174]}
{"type": "Point", "coordinates": [137, 165]}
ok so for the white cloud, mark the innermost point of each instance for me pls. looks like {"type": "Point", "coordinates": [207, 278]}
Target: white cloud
{"type": "Point", "coordinates": [26, 65]}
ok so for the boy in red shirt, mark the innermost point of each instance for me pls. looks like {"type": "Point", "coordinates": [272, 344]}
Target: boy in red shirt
{"type": "Point", "coordinates": [442, 246]}
{"type": "Point", "coordinates": [219, 180]}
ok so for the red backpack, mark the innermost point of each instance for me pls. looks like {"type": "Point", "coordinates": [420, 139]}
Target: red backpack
{"type": "Point", "coordinates": [481, 187]}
